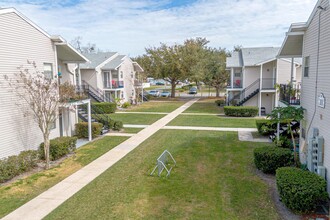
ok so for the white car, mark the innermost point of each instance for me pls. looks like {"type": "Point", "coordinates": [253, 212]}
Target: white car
{"type": "Point", "coordinates": [154, 93]}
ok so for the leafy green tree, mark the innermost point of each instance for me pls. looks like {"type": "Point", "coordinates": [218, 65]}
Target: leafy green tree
{"type": "Point", "coordinates": [165, 62]}
{"type": "Point", "coordinates": [287, 114]}
{"type": "Point", "coordinates": [215, 74]}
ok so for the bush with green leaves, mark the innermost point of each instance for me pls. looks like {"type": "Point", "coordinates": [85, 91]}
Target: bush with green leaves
{"type": "Point", "coordinates": [241, 111]}
{"type": "Point", "coordinates": [58, 147]}
{"type": "Point", "coordinates": [220, 102]}
{"type": "Point", "coordinates": [126, 105]}
{"type": "Point", "coordinates": [300, 190]}
{"type": "Point", "coordinates": [265, 127]}
{"type": "Point", "coordinates": [82, 129]}
{"type": "Point", "coordinates": [18, 164]}
{"type": "Point", "coordinates": [106, 120]}
{"type": "Point", "coordinates": [269, 158]}
{"type": "Point", "coordinates": [104, 107]}
{"type": "Point", "coordinates": [118, 125]}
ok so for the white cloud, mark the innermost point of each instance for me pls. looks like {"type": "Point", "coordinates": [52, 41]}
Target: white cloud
{"type": "Point", "coordinates": [128, 26]}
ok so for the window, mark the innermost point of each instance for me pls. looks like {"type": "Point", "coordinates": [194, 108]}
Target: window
{"type": "Point", "coordinates": [237, 75]}
{"type": "Point", "coordinates": [306, 66]}
{"type": "Point", "coordinates": [48, 71]}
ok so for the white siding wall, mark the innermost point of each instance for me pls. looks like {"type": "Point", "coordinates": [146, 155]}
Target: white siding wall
{"type": "Point", "coordinates": [19, 42]}
{"type": "Point", "coordinates": [251, 75]}
{"type": "Point", "coordinates": [128, 69]}
{"type": "Point", "coordinates": [322, 116]}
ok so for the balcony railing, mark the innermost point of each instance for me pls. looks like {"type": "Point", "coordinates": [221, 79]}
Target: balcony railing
{"type": "Point", "coordinates": [114, 85]}
{"type": "Point", "coordinates": [238, 83]}
{"type": "Point", "coordinates": [290, 94]}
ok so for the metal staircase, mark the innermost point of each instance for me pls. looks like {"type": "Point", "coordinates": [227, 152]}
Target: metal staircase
{"type": "Point", "coordinates": [97, 116]}
{"type": "Point", "coordinates": [284, 129]}
{"type": "Point", "coordinates": [247, 93]}
{"type": "Point", "coordinates": [96, 94]}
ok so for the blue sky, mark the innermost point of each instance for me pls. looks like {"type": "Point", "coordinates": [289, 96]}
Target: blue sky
{"type": "Point", "coordinates": [128, 26]}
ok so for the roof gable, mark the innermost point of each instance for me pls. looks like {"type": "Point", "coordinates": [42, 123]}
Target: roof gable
{"type": "Point", "coordinates": [96, 59]}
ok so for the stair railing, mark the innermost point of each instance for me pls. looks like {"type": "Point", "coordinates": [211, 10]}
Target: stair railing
{"type": "Point", "coordinates": [246, 91]}
{"type": "Point", "coordinates": [99, 93]}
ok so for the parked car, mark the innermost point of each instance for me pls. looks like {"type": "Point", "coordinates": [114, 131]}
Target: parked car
{"type": "Point", "coordinates": [160, 83]}
{"type": "Point", "coordinates": [154, 93]}
{"type": "Point", "coordinates": [165, 94]}
{"type": "Point", "coordinates": [193, 90]}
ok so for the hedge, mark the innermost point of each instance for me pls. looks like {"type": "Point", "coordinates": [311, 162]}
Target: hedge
{"type": "Point", "coordinates": [300, 190]}
{"type": "Point", "coordinates": [241, 111]}
{"type": "Point", "coordinates": [220, 102]}
{"type": "Point", "coordinates": [268, 158]}
{"type": "Point", "coordinates": [104, 107]}
{"type": "Point", "coordinates": [18, 164]}
{"type": "Point", "coordinates": [118, 125]}
{"type": "Point", "coordinates": [265, 127]}
{"type": "Point", "coordinates": [82, 129]}
{"type": "Point", "coordinates": [59, 147]}
{"type": "Point", "coordinates": [106, 121]}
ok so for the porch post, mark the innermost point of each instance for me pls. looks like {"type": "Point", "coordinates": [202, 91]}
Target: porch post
{"type": "Point", "coordinates": [260, 88]}
{"type": "Point", "coordinates": [292, 68]}
{"type": "Point", "coordinates": [89, 121]}
{"type": "Point", "coordinates": [232, 78]}
{"type": "Point", "coordinates": [79, 75]}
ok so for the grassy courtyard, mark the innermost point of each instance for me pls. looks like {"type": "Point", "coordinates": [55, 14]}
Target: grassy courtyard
{"type": "Point", "coordinates": [136, 119]}
{"type": "Point", "coordinates": [214, 179]}
{"type": "Point", "coordinates": [157, 106]}
{"type": "Point", "coordinates": [213, 121]}
{"type": "Point", "coordinates": [19, 192]}
{"type": "Point", "coordinates": [205, 106]}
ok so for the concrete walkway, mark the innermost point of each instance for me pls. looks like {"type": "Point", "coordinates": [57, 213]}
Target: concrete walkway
{"type": "Point", "coordinates": [247, 136]}
{"type": "Point", "coordinates": [46, 202]}
{"type": "Point", "coordinates": [120, 134]}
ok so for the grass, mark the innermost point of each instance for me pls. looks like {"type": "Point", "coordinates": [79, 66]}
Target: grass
{"type": "Point", "coordinates": [214, 179]}
{"type": "Point", "coordinates": [136, 119]}
{"type": "Point", "coordinates": [160, 106]}
{"type": "Point", "coordinates": [205, 106]}
{"type": "Point", "coordinates": [213, 121]}
{"type": "Point", "coordinates": [132, 130]}
{"type": "Point", "coordinates": [21, 191]}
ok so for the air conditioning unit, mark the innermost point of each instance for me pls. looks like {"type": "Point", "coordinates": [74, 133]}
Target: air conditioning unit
{"type": "Point", "coordinates": [315, 153]}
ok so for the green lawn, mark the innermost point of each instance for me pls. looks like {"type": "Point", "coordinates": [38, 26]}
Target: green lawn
{"type": "Point", "coordinates": [214, 179]}
{"type": "Point", "coordinates": [205, 106]}
{"type": "Point", "coordinates": [136, 119]}
{"type": "Point", "coordinates": [213, 121]}
{"type": "Point", "coordinates": [21, 191]}
{"type": "Point", "coordinates": [132, 130]}
{"type": "Point", "coordinates": [157, 106]}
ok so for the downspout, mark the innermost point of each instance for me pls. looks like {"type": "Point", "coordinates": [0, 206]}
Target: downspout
{"type": "Point", "coordinates": [260, 88]}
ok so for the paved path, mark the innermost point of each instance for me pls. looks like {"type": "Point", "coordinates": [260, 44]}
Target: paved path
{"type": "Point", "coordinates": [120, 134]}
{"type": "Point", "coordinates": [46, 202]}
{"type": "Point", "coordinates": [135, 126]}
{"type": "Point", "coordinates": [247, 136]}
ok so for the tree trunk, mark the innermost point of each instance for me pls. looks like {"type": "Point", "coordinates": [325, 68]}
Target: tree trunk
{"type": "Point", "coordinates": [46, 150]}
{"type": "Point", "coordinates": [294, 145]}
{"type": "Point", "coordinates": [217, 91]}
{"type": "Point", "coordinates": [173, 86]}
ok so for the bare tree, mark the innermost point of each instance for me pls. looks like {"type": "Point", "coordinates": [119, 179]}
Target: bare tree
{"type": "Point", "coordinates": [41, 96]}
{"type": "Point", "coordinates": [77, 43]}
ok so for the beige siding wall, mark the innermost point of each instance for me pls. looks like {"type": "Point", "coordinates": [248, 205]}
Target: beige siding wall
{"type": "Point", "coordinates": [90, 76]}
{"type": "Point", "coordinates": [253, 101]}
{"type": "Point", "coordinates": [321, 119]}
{"type": "Point", "coordinates": [284, 72]}
{"type": "Point", "coordinates": [251, 74]}
{"type": "Point", "coordinates": [19, 42]}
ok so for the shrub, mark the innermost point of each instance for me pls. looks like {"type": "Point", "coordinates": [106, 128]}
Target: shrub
{"type": "Point", "coordinates": [104, 107]}
{"type": "Point", "coordinates": [268, 159]}
{"type": "Point", "coordinates": [265, 127]}
{"type": "Point", "coordinates": [118, 126]}
{"type": "Point", "coordinates": [126, 105]}
{"type": "Point", "coordinates": [15, 165]}
{"type": "Point", "coordinates": [241, 111]}
{"type": "Point", "coordinates": [106, 121]}
{"type": "Point", "coordinates": [82, 129]}
{"type": "Point", "coordinates": [220, 102]}
{"type": "Point", "coordinates": [300, 190]}
{"type": "Point", "coordinates": [59, 147]}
